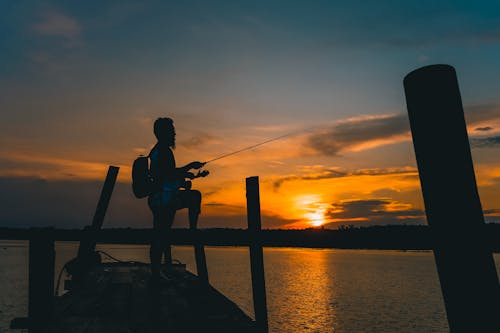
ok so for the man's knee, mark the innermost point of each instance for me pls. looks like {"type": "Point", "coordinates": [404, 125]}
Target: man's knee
{"type": "Point", "coordinates": [196, 196]}
{"type": "Point", "coordinates": [195, 201]}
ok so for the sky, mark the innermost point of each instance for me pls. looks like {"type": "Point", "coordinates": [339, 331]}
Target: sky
{"type": "Point", "coordinates": [82, 83]}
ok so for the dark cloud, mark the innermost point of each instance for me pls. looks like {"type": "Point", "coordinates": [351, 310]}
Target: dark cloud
{"type": "Point", "coordinates": [489, 142]}
{"type": "Point", "coordinates": [348, 134]}
{"type": "Point", "coordinates": [197, 140]}
{"type": "Point", "coordinates": [375, 211]}
{"type": "Point", "coordinates": [33, 202]}
{"type": "Point", "coordinates": [492, 215]}
{"type": "Point", "coordinates": [483, 129]}
{"type": "Point", "coordinates": [336, 173]}
{"type": "Point", "coordinates": [67, 204]}
{"type": "Point", "coordinates": [325, 174]}
{"type": "Point", "coordinates": [481, 112]}
{"type": "Point", "coordinates": [354, 133]}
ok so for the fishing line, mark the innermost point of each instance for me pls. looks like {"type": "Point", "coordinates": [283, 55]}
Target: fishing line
{"type": "Point", "coordinates": [252, 147]}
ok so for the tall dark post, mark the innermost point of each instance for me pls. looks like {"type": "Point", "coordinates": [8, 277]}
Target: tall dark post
{"type": "Point", "coordinates": [465, 264]}
{"type": "Point", "coordinates": [88, 242]}
{"type": "Point", "coordinates": [41, 279]}
{"type": "Point", "coordinates": [201, 262]}
{"type": "Point", "coordinates": [256, 254]}
{"type": "Point", "coordinates": [86, 251]}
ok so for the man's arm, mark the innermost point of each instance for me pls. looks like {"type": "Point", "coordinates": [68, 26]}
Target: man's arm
{"type": "Point", "coordinates": [192, 165]}
{"type": "Point", "coordinates": [184, 171]}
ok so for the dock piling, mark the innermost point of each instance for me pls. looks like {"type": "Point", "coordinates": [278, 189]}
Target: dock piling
{"type": "Point", "coordinates": [201, 262]}
{"type": "Point", "coordinates": [87, 257]}
{"type": "Point", "coordinates": [464, 261]}
{"type": "Point", "coordinates": [88, 245]}
{"type": "Point", "coordinates": [256, 254]}
{"type": "Point", "coordinates": [41, 278]}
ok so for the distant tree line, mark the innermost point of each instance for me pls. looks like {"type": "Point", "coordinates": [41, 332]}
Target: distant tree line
{"type": "Point", "coordinates": [397, 237]}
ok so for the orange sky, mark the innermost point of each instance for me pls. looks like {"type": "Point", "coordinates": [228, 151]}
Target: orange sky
{"type": "Point", "coordinates": [367, 181]}
{"type": "Point", "coordinates": [81, 89]}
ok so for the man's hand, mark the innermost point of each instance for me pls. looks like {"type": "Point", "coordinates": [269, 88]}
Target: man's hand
{"type": "Point", "coordinates": [196, 165]}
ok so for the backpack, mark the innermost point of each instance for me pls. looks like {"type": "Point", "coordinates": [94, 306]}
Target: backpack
{"type": "Point", "coordinates": [142, 182]}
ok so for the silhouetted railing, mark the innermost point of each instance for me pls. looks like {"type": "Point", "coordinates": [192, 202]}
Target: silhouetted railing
{"type": "Point", "coordinates": [42, 258]}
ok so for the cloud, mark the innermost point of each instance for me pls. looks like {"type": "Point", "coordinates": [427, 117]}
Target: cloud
{"type": "Point", "coordinates": [479, 113]}
{"type": "Point", "coordinates": [490, 142]}
{"type": "Point", "coordinates": [360, 133]}
{"type": "Point", "coordinates": [494, 211]}
{"type": "Point", "coordinates": [197, 140]}
{"type": "Point", "coordinates": [71, 204]}
{"type": "Point", "coordinates": [46, 167]}
{"type": "Point", "coordinates": [492, 215]}
{"type": "Point", "coordinates": [483, 129]}
{"type": "Point", "coordinates": [367, 132]}
{"type": "Point", "coordinates": [57, 24]}
{"type": "Point", "coordinates": [67, 204]}
{"type": "Point", "coordinates": [59, 40]}
{"type": "Point", "coordinates": [375, 211]}
{"type": "Point", "coordinates": [330, 173]}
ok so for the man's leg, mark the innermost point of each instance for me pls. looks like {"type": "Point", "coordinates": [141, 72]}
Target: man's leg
{"type": "Point", "coordinates": [167, 221]}
{"type": "Point", "coordinates": [155, 250]}
{"type": "Point", "coordinates": [163, 219]}
{"type": "Point", "coordinates": [194, 208]}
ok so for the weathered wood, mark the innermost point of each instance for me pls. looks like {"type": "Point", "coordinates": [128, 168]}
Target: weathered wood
{"type": "Point", "coordinates": [41, 279]}
{"type": "Point", "coordinates": [256, 254]}
{"type": "Point", "coordinates": [120, 297]}
{"type": "Point", "coordinates": [201, 262]}
{"type": "Point", "coordinates": [464, 260]}
{"type": "Point", "coordinates": [88, 245]}
{"type": "Point", "coordinates": [87, 257]}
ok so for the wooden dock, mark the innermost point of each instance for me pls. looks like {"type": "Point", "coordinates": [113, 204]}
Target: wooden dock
{"type": "Point", "coordinates": [119, 297]}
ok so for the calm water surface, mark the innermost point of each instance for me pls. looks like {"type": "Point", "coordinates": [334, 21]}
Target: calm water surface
{"type": "Point", "coordinates": [308, 290]}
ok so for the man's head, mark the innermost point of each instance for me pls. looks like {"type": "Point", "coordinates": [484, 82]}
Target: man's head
{"type": "Point", "coordinates": [164, 131]}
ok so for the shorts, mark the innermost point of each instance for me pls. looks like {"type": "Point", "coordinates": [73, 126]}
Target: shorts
{"type": "Point", "coordinates": [175, 200]}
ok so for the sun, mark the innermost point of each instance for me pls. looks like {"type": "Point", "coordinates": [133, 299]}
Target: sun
{"type": "Point", "coordinates": [316, 219]}
{"type": "Point", "coordinates": [312, 209]}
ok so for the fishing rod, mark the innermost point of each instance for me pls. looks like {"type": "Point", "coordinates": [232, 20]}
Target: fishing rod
{"type": "Point", "coordinates": [251, 147]}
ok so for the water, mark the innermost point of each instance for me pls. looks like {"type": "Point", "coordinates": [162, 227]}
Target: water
{"type": "Point", "coordinates": [308, 290]}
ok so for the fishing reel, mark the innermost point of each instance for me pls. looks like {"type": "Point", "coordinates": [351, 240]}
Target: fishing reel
{"type": "Point", "coordinates": [202, 173]}
{"type": "Point", "coordinates": [187, 183]}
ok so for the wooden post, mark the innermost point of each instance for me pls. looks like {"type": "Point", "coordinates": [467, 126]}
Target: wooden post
{"type": "Point", "coordinates": [41, 279]}
{"type": "Point", "coordinates": [467, 273]}
{"type": "Point", "coordinates": [256, 254]}
{"type": "Point", "coordinates": [100, 211]}
{"type": "Point", "coordinates": [201, 262]}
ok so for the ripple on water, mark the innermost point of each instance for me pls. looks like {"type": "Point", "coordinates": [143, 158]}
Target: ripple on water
{"type": "Point", "coordinates": [308, 290]}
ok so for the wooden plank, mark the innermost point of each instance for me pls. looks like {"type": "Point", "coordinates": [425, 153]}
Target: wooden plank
{"type": "Point", "coordinates": [467, 273]}
{"type": "Point", "coordinates": [256, 254]}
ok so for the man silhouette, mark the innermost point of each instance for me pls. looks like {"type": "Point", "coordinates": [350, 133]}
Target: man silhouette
{"type": "Point", "coordinates": [168, 199]}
